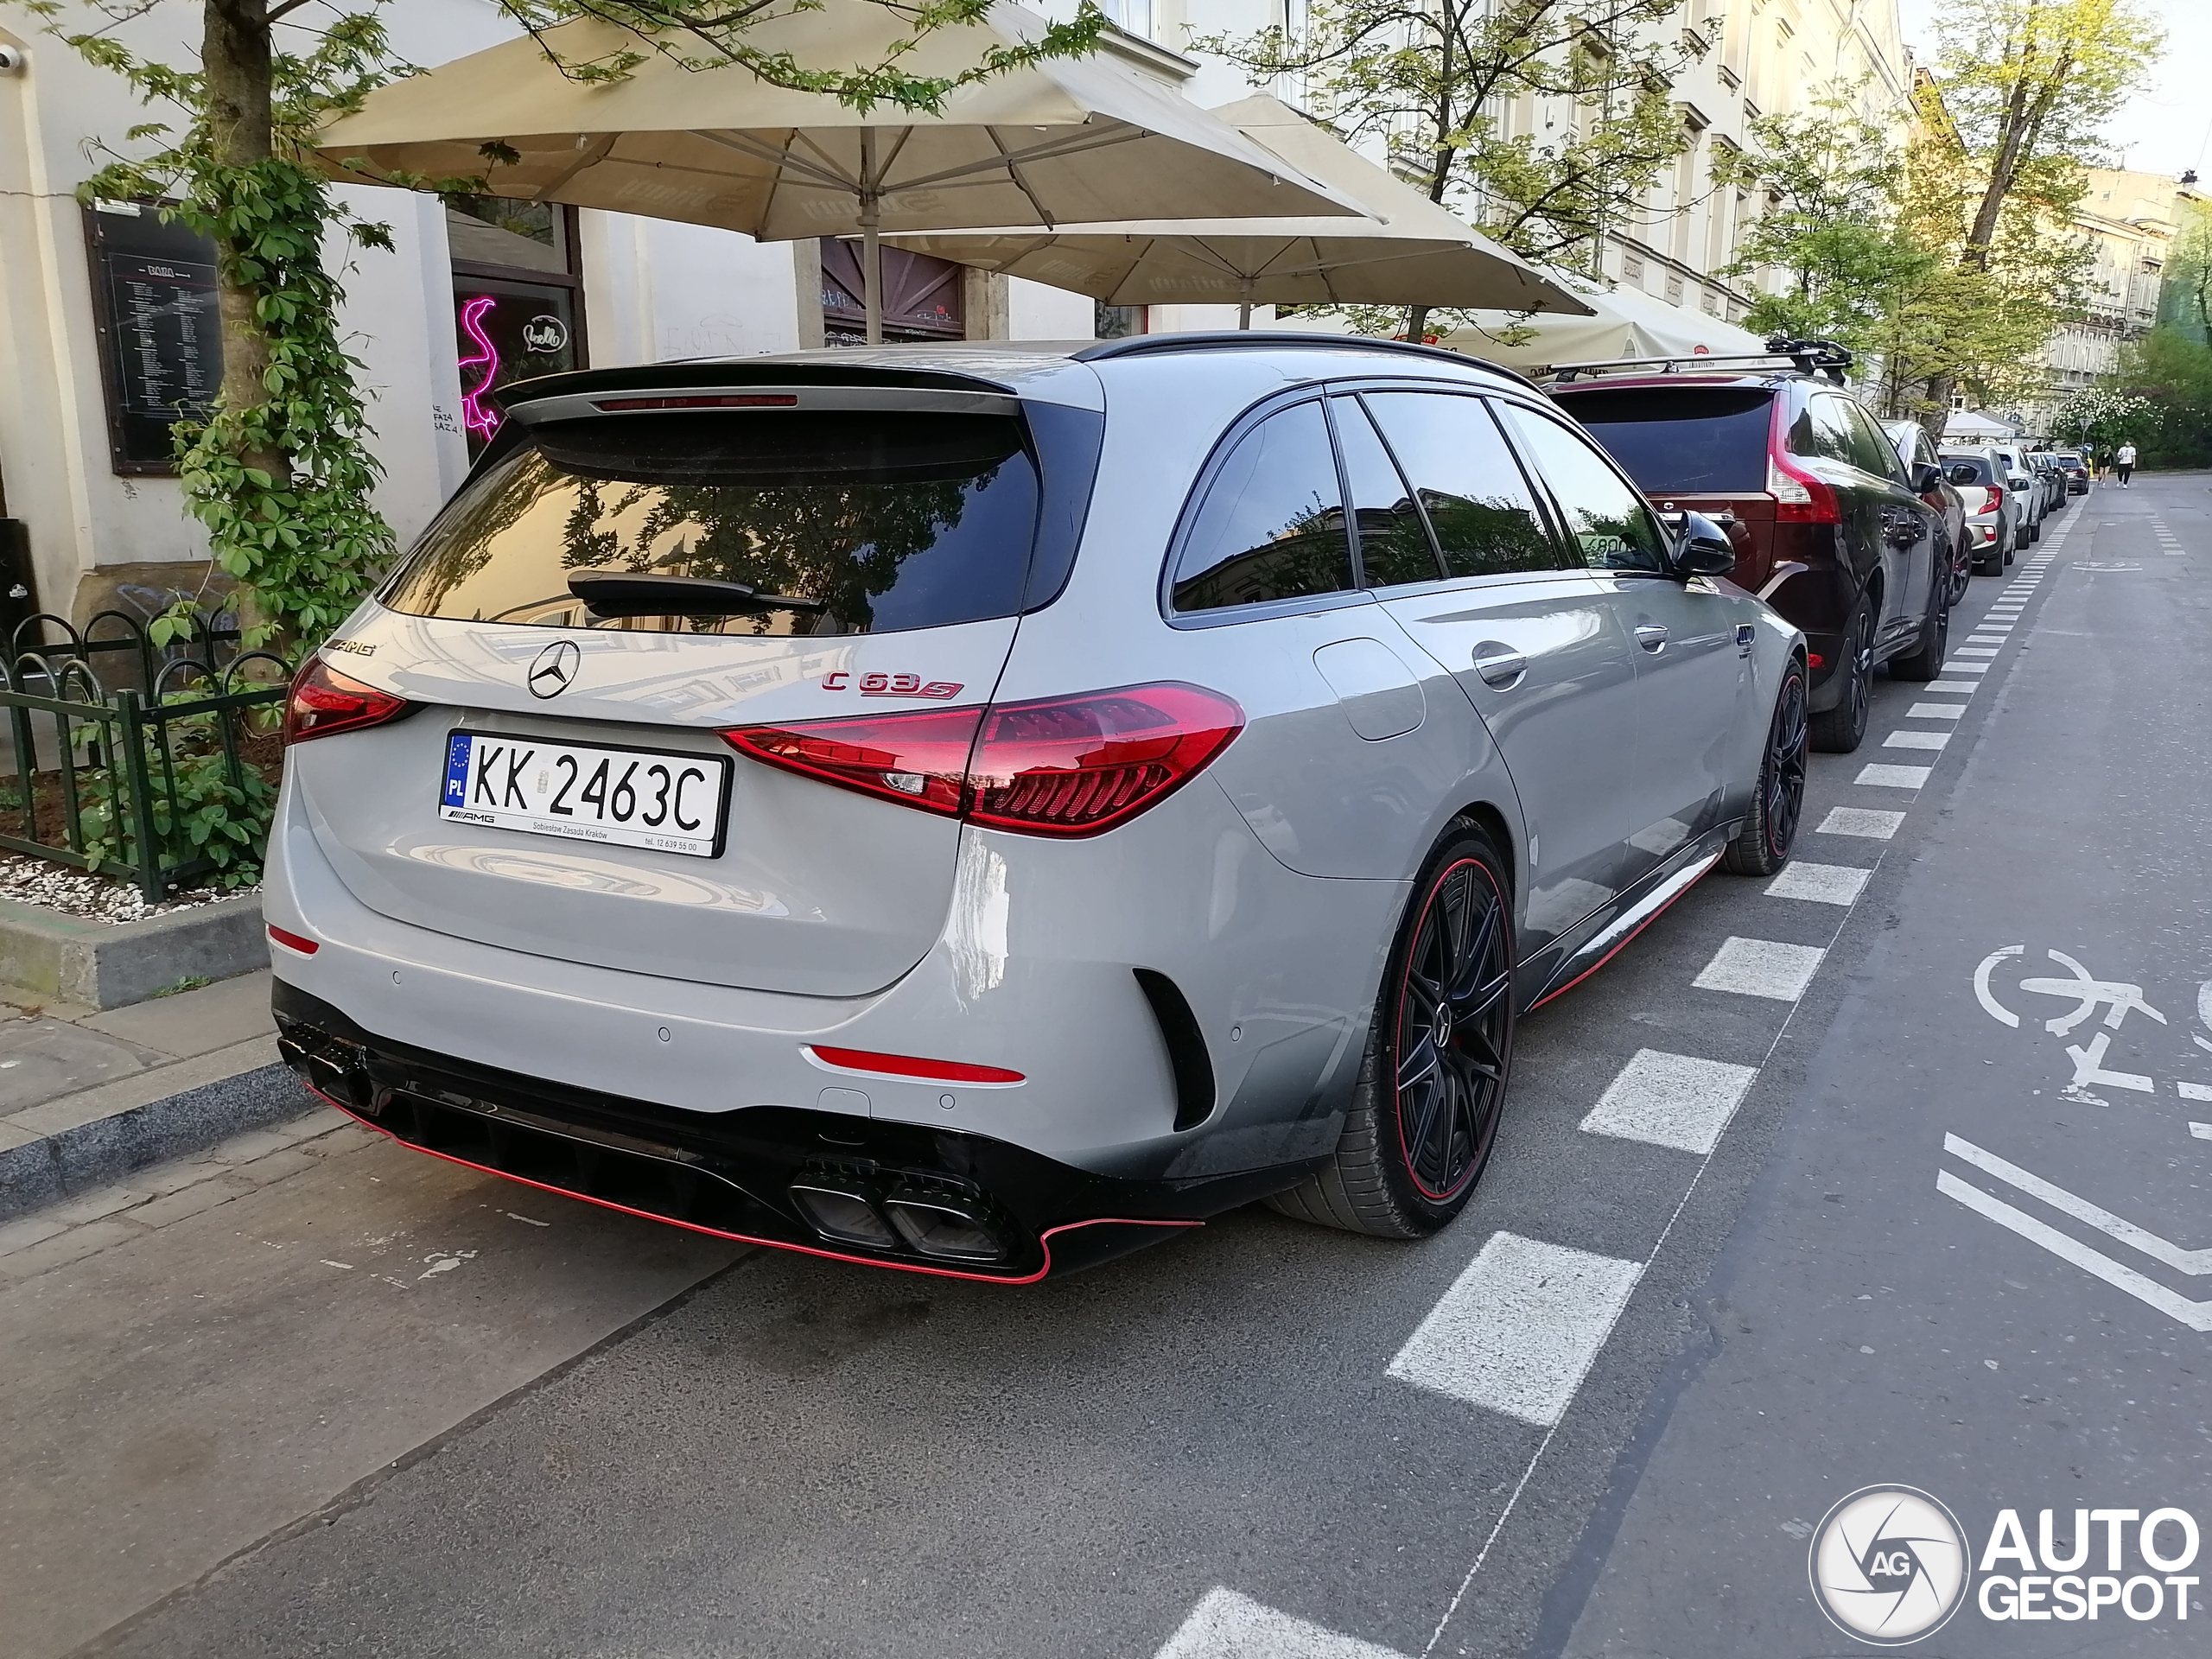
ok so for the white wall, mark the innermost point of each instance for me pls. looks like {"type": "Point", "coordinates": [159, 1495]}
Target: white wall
{"type": "Point", "coordinates": [655, 290]}
{"type": "Point", "coordinates": [1037, 312]}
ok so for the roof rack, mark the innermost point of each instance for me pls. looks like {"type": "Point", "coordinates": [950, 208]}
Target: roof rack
{"type": "Point", "coordinates": [1147, 344]}
{"type": "Point", "coordinates": [1807, 356]}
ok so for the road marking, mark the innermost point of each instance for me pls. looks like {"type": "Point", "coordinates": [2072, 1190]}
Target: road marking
{"type": "Point", "coordinates": [1760, 968]}
{"type": "Point", "coordinates": [1670, 1100]}
{"type": "Point", "coordinates": [1916, 739]}
{"type": "Point", "coordinates": [2202, 1131]}
{"type": "Point", "coordinates": [1860, 821]}
{"type": "Point", "coordinates": [1225, 1625]}
{"type": "Point", "coordinates": [2088, 1068]}
{"type": "Point", "coordinates": [2198, 1316]}
{"type": "Point", "coordinates": [1963, 688]}
{"type": "Point", "coordinates": [1824, 883]}
{"type": "Point", "coordinates": [1519, 1328]}
{"type": "Point", "coordinates": [1936, 711]}
{"type": "Point", "coordinates": [2193, 1091]}
{"type": "Point", "coordinates": [2164, 1251]}
{"type": "Point", "coordinates": [1974, 651]}
{"type": "Point", "coordinates": [1881, 776]}
{"type": "Point", "coordinates": [1957, 667]}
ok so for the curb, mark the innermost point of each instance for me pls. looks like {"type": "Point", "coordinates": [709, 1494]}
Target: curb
{"type": "Point", "coordinates": [96, 1137]}
{"type": "Point", "coordinates": [109, 966]}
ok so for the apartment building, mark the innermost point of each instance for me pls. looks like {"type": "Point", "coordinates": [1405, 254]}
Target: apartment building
{"type": "Point", "coordinates": [2130, 221]}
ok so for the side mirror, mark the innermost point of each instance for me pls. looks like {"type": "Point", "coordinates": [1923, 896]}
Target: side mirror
{"type": "Point", "coordinates": [1925, 477]}
{"type": "Point", "coordinates": [1703, 549]}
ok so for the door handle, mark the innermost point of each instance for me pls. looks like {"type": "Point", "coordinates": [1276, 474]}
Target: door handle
{"type": "Point", "coordinates": [1650, 636]}
{"type": "Point", "coordinates": [1501, 667]}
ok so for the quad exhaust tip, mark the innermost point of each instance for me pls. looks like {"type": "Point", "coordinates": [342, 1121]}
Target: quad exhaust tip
{"type": "Point", "coordinates": [943, 1225]}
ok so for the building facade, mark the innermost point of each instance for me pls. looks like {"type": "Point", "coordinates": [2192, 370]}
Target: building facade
{"type": "Point", "coordinates": [2129, 221]}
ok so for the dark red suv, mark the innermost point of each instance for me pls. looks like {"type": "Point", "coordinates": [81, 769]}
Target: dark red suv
{"type": "Point", "coordinates": [1827, 526]}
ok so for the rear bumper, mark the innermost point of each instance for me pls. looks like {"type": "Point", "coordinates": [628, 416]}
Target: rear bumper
{"type": "Point", "coordinates": [732, 1174]}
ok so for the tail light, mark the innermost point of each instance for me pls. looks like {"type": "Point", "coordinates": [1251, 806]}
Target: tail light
{"type": "Point", "coordinates": [1072, 766]}
{"type": "Point", "coordinates": [325, 702]}
{"type": "Point", "coordinates": [1996, 499]}
{"type": "Point", "coordinates": [1799, 498]}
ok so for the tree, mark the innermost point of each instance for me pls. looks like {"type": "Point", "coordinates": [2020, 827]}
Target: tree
{"type": "Point", "coordinates": [1428, 79]}
{"type": "Point", "coordinates": [2028, 86]}
{"type": "Point", "coordinates": [2185, 299]}
{"type": "Point", "coordinates": [280, 473]}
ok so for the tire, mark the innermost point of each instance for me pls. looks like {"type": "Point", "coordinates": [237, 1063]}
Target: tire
{"type": "Point", "coordinates": [2034, 533]}
{"type": "Point", "coordinates": [1927, 660]}
{"type": "Point", "coordinates": [1840, 729]}
{"type": "Point", "coordinates": [1995, 564]}
{"type": "Point", "coordinates": [1423, 1119]}
{"type": "Point", "coordinates": [1960, 571]}
{"type": "Point", "coordinates": [1763, 846]}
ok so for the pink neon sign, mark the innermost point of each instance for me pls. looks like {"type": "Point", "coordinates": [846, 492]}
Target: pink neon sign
{"type": "Point", "coordinates": [475, 416]}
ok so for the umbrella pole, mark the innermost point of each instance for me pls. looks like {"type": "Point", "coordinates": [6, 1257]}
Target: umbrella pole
{"type": "Point", "coordinates": [871, 248]}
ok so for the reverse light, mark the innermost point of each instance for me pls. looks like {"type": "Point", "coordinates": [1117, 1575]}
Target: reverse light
{"type": "Point", "coordinates": [1074, 765]}
{"type": "Point", "coordinates": [1799, 498]}
{"type": "Point", "coordinates": [324, 703]}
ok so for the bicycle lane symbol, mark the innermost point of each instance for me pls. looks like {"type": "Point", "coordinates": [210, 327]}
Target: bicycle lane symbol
{"type": "Point", "coordinates": [2118, 998]}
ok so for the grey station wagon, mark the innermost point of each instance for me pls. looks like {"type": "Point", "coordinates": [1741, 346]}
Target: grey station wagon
{"type": "Point", "coordinates": [981, 809]}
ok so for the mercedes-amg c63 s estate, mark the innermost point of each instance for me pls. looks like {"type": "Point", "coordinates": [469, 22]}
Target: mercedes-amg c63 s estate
{"type": "Point", "coordinates": [978, 811]}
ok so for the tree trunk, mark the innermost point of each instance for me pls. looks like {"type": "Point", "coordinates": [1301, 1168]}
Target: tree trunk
{"type": "Point", "coordinates": [1416, 323]}
{"type": "Point", "coordinates": [235, 58]}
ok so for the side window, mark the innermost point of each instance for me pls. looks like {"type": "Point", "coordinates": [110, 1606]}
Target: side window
{"type": "Point", "coordinates": [1485, 516]}
{"type": "Point", "coordinates": [1272, 524]}
{"type": "Point", "coordinates": [1871, 448]}
{"type": "Point", "coordinates": [1393, 542]}
{"type": "Point", "coordinates": [1605, 519]}
{"type": "Point", "coordinates": [1821, 430]}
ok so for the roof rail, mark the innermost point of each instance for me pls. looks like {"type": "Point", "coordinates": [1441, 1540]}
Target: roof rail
{"type": "Point", "coordinates": [1807, 356]}
{"type": "Point", "coordinates": [1147, 344]}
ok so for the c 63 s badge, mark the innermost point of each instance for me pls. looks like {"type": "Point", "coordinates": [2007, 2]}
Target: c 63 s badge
{"type": "Point", "coordinates": [893, 685]}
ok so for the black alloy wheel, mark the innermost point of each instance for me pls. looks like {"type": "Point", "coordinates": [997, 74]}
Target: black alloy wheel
{"type": "Point", "coordinates": [1840, 729]}
{"type": "Point", "coordinates": [1439, 1052]}
{"type": "Point", "coordinates": [1453, 1031]}
{"type": "Point", "coordinates": [1763, 846]}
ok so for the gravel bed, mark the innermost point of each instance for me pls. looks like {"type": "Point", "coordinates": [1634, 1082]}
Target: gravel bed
{"type": "Point", "coordinates": [94, 897]}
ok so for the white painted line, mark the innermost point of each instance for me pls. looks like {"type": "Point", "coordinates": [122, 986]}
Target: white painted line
{"type": "Point", "coordinates": [1760, 968]}
{"type": "Point", "coordinates": [1671, 1100]}
{"type": "Point", "coordinates": [1956, 667]}
{"type": "Point", "coordinates": [1225, 1625]}
{"type": "Point", "coordinates": [1823, 884]}
{"type": "Point", "coordinates": [2202, 1131]}
{"type": "Point", "coordinates": [1519, 1328]}
{"type": "Point", "coordinates": [1860, 821]}
{"type": "Point", "coordinates": [1916, 739]}
{"type": "Point", "coordinates": [2193, 1091]}
{"type": "Point", "coordinates": [2164, 1251]}
{"type": "Point", "coordinates": [1964, 688]}
{"type": "Point", "coordinates": [1936, 711]}
{"type": "Point", "coordinates": [1987, 636]}
{"type": "Point", "coordinates": [2198, 1316]}
{"type": "Point", "coordinates": [1974, 651]}
{"type": "Point", "coordinates": [1881, 776]}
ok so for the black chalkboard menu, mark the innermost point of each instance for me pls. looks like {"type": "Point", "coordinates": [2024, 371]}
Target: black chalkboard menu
{"type": "Point", "coordinates": [160, 328]}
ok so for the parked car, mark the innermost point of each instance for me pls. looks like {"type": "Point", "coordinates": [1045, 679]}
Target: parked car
{"type": "Point", "coordinates": [2076, 469]}
{"type": "Point", "coordinates": [1993, 508]}
{"type": "Point", "coordinates": [2034, 505]}
{"type": "Point", "coordinates": [1917, 451]}
{"type": "Point", "coordinates": [2052, 478]}
{"type": "Point", "coordinates": [1824, 521]}
{"type": "Point", "coordinates": [981, 811]}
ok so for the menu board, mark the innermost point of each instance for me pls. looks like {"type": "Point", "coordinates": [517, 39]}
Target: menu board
{"type": "Point", "coordinates": [161, 329]}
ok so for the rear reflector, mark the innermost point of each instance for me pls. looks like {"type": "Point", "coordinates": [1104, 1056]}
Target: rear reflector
{"type": "Point", "coordinates": [708, 400]}
{"type": "Point", "coordinates": [1053, 767]}
{"type": "Point", "coordinates": [292, 941]}
{"type": "Point", "coordinates": [1813, 659]}
{"type": "Point", "coordinates": [907, 1065]}
{"type": "Point", "coordinates": [325, 702]}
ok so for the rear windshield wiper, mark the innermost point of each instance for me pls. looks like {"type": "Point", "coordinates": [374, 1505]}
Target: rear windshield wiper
{"type": "Point", "coordinates": [643, 593]}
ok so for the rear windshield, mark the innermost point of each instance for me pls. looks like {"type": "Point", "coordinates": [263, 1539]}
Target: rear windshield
{"type": "Point", "coordinates": [1966, 469]}
{"type": "Point", "coordinates": [2066, 458]}
{"type": "Point", "coordinates": [876, 521]}
{"type": "Point", "coordinates": [1681, 440]}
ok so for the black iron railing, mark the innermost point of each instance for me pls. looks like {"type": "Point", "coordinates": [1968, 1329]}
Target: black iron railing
{"type": "Point", "coordinates": [153, 763]}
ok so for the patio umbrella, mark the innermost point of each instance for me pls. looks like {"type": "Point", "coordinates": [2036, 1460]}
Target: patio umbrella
{"type": "Point", "coordinates": [1620, 322]}
{"type": "Point", "coordinates": [1403, 250]}
{"type": "Point", "coordinates": [1085, 138]}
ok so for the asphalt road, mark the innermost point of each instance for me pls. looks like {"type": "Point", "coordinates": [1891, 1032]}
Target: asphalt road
{"type": "Point", "coordinates": [1783, 1207]}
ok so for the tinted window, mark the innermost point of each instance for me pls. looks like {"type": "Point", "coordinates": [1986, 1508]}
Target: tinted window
{"type": "Point", "coordinates": [1272, 525]}
{"type": "Point", "coordinates": [1871, 448]}
{"type": "Point", "coordinates": [1609, 522]}
{"type": "Point", "coordinates": [880, 521]}
{"type": "Point", "coordinates": [1484, 517]}
{"type": "Point", "coordinates": [1966, 469]}
{"type": "Point", "coordinates": [1822, 431]}
{"type": "Point", "coordinates": [1678, 440]}
{"type": "Point", "coordinates": [1393, 542]}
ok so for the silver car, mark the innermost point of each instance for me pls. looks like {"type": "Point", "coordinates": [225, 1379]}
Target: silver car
{"type": "Point", "coordinates": [980, 810]}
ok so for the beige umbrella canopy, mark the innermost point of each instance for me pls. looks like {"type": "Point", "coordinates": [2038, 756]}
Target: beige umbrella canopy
{"type": "Point", "coordinates": [1404, 250]}
{"type": "Point", "coordinates": [1064, 139]}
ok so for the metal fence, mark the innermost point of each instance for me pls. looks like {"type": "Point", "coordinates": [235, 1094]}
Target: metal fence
{"type": "Point", "coordinates": [134, 759]}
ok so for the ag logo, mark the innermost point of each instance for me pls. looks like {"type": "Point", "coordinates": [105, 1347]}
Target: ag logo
{"type": "Point", "coordinates": [555, 669]}
{"type": "Point", "coordinates": [1889, 1564]}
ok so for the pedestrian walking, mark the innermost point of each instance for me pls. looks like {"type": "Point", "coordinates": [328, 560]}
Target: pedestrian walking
{"type": "Point", "coordinates": [2123, 461]}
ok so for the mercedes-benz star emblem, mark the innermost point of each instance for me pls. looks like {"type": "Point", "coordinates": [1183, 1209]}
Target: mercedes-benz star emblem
{"type": "Point", "coordinates": [555, 670]}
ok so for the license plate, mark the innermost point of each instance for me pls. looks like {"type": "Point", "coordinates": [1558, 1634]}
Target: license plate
{"type": "Point", "coordinates": [671, 802]}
